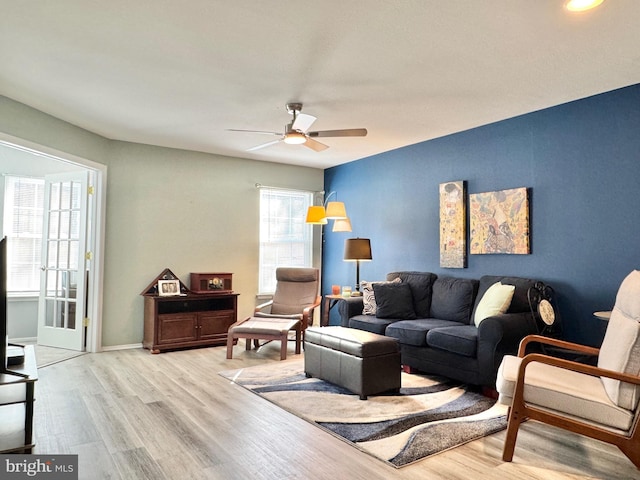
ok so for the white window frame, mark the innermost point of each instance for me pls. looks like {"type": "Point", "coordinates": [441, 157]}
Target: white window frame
{"type": "Point", "coordinates": [17, 231]}
{"type": "Point", "coordinates": [286, 240]}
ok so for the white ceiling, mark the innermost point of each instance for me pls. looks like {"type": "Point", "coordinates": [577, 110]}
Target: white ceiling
{"type": "Point", "coordinates": [179, 73]}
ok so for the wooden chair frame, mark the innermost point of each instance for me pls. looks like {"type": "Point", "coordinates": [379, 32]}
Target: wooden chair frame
{"type": "Point", "coordinates": [520, 411]}
{"type": "Point", "coordinates": [307, 313]}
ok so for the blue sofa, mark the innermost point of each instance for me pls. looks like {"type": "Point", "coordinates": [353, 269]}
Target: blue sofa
{"type": "Point", "coordinates": [433, 319]}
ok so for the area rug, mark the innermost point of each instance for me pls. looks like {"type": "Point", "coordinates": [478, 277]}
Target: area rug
{"type": "Point", "coordinates": [429, 415]}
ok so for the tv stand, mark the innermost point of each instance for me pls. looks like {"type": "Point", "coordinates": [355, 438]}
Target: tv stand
{"type": "Point", "coordinates": [15, 354]}
{"type": "Point", "coordinates": [17, 394]}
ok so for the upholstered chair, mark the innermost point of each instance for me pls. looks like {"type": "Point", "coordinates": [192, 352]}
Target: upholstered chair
{"type": "Point", "coordinates": [296, 296]}
{"type": "Point", "coordinates": [600, 401]}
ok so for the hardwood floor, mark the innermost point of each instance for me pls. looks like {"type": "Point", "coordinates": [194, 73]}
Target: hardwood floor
{"type": "Point", "coordinates": [132, 415]}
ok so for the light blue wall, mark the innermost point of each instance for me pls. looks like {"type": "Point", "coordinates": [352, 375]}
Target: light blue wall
{"type": "Point", "coordinates": [581, 162]}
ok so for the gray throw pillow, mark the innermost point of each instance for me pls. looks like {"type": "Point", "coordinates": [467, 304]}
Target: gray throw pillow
{"type": "Point", "coordinates": [369, 298]}
{"type": "Point", "coordinates": [394, 300]}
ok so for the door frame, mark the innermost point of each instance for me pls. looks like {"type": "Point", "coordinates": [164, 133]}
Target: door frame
{"type": "Point", "coordinates": [95, 244]}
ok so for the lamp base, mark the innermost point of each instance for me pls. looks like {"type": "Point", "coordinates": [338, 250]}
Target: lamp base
{"type": "Point", "coordinates": [356, 294]}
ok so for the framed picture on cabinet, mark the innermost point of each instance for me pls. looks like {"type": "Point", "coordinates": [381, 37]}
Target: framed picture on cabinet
{"type": "Point", "coordinates": [167, 288]}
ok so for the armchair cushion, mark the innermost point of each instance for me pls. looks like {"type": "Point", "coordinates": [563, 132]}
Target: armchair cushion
{"type": "Point", "coordinates": [562, 390]}
{"type": "Point", "coordinates": [620, 350]}
{"type": "Point", "coordinates": [294, 316]}
{"type": "Point", "coordinates": [394, 300]}
{"type": "Point", "coordinates": [296, 288]}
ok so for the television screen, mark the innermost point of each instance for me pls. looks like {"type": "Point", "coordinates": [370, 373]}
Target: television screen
{"type": "Point", "coordinates": [3, 305]}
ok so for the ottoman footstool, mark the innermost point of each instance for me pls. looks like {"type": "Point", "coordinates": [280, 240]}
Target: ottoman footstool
{"type": "Point", "coordinates": [362, 362]}
{"type": "Point", "coordinates": [256, 329]}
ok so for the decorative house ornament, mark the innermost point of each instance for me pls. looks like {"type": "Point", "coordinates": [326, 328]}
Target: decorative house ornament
{"type": "Point", "coordinates": [499, 222]}
{"type": "Point", "coordinates": [453, 232]}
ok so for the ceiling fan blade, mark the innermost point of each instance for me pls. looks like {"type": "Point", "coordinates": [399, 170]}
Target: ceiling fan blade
{"type": "Point", "coordinates": [315, 145]}
{"type": "Point", "coordinates": [258, 147]}
{"type": "Point", "coordinates": [253, 131]}
{"type": "Point", "coordinates": [303, 122]}
{"type": "Point", "coordinates": [347, 132]}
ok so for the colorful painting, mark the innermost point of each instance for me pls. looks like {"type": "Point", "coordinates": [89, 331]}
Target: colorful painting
{"type": "Point", "coordinates": [453, 233]}
{"type": "Point", "coordinates": [499, 222]}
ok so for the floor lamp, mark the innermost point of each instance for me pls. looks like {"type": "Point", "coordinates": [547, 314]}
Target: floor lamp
{"type": "Point", "coordinates": [357, 250]}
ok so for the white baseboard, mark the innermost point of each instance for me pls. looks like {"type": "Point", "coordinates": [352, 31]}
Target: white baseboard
{"type": "Point", "coordinates": [23, 340]}
{"type": "Point", "coordinates": [121, 347]}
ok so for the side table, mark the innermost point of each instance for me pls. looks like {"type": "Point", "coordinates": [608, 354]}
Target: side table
{"type": "Point", "coordinates": [330, 301]}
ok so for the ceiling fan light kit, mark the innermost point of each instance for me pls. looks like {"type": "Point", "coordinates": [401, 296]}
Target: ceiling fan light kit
{"type": "Point", "coordinates": [581, 5]}
{"type": "Point", "coordinates": [294, 138]}
{"type": "Point", "coordinates": [296, 132]}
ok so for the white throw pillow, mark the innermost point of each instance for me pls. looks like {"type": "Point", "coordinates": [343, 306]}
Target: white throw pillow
{"type": "Point", "coordinates": [495, 300]}
{"type": "Point", "coordinates": [369, 306]}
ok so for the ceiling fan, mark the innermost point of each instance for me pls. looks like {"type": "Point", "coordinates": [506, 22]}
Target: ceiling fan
{"type": "Point", "coordinates": [296, 132]}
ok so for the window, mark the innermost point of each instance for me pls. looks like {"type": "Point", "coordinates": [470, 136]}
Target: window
{"type": "Point", "coordinates": [285, 238]}
{"type": "Point", "coordinates": [23, 214]}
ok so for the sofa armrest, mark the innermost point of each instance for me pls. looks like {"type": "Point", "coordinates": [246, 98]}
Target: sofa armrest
{"type": "Point", "coordinates": [498, 336]}
{"type": "Point", "coordinates": [349, 307]}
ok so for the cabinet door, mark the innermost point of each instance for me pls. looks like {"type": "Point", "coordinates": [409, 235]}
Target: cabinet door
{"type": "Point", "coordinates": [177, 328]}
{"type": "Point", "coordinates": [214, 325]}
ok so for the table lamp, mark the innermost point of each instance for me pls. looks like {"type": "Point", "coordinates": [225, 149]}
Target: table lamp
{"type": "Point", "coordinates": [357, 250]}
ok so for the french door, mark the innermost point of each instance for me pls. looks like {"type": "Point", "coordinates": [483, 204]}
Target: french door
{"type": "Point", "coordinates": [63, 278]}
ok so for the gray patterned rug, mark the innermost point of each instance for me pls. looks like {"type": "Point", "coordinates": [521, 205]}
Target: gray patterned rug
{"type": "Point", "coordinates": [428, 416]}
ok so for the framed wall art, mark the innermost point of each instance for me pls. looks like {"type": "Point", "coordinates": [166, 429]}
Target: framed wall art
{"type": "Point", "coordinates": [499, 222]}
{"type": "Point", "coordinates": [453, 232]}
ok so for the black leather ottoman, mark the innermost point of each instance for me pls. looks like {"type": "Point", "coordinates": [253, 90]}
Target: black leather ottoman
{"type": "Point", "coordinates": [362, 362]}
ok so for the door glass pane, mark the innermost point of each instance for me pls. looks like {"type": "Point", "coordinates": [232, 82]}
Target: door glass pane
{"type": "Point", "coordinates": [65, 221]}
{"type": "Point", "coordinates": [54, 197]}
{"type": "Point", "coordinates": [54, 221]}
{"type": "Point", "coordinates": [74, 226]}
{"type": "Point", "coordinates": [52, 255]}
{"type": "Point", "coordinates": [65, 196]}
{"type": "Point", "coordinates": [75, 195]}
{"type": "Point", "coordinates": [48, 319]}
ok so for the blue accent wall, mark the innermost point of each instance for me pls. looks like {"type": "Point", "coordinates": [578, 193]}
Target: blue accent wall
{"type": "Point", "coordinates": [581, 164]}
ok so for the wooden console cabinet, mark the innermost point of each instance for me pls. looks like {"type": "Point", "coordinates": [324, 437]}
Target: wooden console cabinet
{"type": "Point", "coordinates": [194, 320]}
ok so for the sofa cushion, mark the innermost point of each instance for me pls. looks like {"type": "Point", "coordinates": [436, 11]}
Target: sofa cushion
{"type": "Point", "coordinates": [453, 298]}
{"type": "Point", "coordinates": [369, 323]}
{"type": "Point", "coordinates": [369, 306]}
{"type": "Point", "coordinates": [496, 300]}
{"type": "Point", "coordinates": [414, 332]}
{"type": "Point", "coordinates": [421, 284]}
{"type": "Point", "coordinates": [460, 339]}
{"type": "Point", "coordinates": [394, 300]}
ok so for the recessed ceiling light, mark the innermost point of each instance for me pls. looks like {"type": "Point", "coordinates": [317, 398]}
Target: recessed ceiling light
{"type": "Point", "coordinates": [581, 5]}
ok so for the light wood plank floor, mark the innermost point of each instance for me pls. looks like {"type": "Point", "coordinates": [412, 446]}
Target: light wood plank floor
{"type": "Point", "coordinates": [132, 415]}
